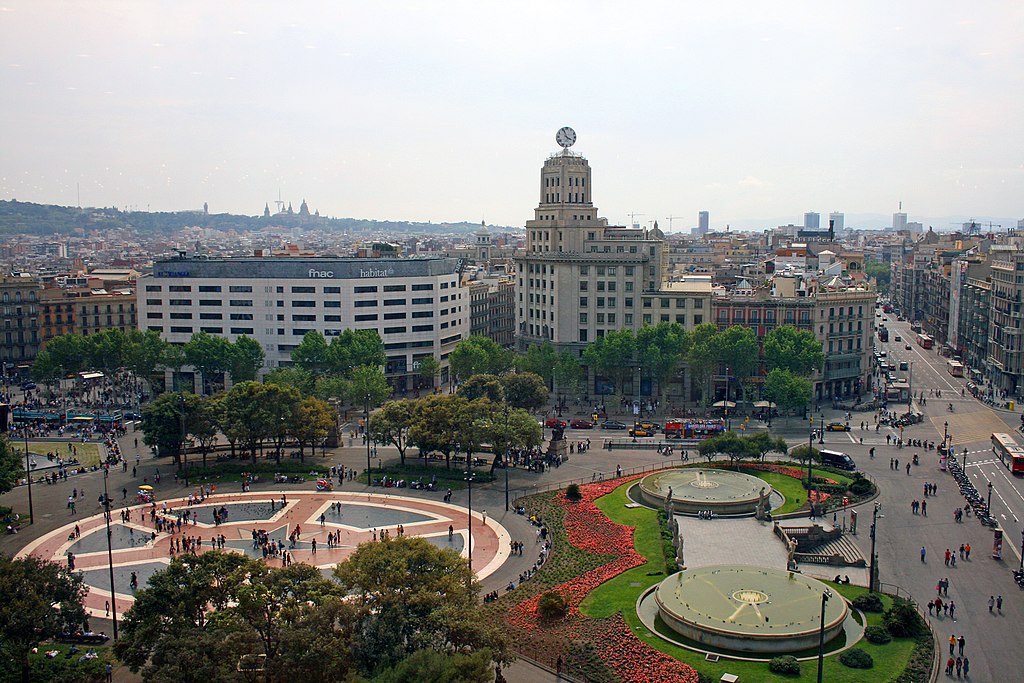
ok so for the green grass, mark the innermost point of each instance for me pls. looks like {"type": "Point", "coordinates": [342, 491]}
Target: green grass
{"type": "Point", "coordinates": [618, 594]}
{"type": "Point", "coordinates": [88, 453]}
{"type": "Point", "coordinates": [792, 489]}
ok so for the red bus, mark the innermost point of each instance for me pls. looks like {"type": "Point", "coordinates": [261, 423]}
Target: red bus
{"type": "Point", "coordinates": [1009, 452]}
{"type": "Point", "coordinates": [924, 341]}
{"type": "Point", "coordinates": [693, 429]}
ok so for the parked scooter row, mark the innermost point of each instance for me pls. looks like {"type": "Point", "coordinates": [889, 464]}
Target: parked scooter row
{"type": "Point", "coordinates": [971, 494]}
{"type": "Point", "coordinates": [1018, 576]}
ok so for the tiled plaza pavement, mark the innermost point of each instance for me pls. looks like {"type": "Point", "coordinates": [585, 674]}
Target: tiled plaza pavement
{"type": "Point", "coordinates": [730, 541]}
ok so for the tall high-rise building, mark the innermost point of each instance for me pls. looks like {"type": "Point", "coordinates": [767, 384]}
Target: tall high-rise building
{"type": "Point", "coordinates": [703, 222]}
{"type": "Point", "coordinates": [899, 221]}
{"type": "Point", "coordinates": [837, 220]}
{"type": "Point", "coordinates": [812, 220]}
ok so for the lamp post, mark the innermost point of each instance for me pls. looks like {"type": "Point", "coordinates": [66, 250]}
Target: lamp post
{"type": "Point", "coordinates": [110, 552]}
{"type": "Point", "coordinates": [989, 503]}
{"type": "Point", "coordinates": [873, 576]}
{"type": "Point", "coordinates": [945, 433]}
{"type": "Point", "coordinates": [727, 425]}
{"type": "Point", "coordinates": [28, 477]}
{"type": "Point", "coordinates": [821, 431]}
{"type": "Point", "coordinates": [965, 460]}
{"type": "Point", "coordinates": [508, 447]}
{"type": "Point", "coordinates": [810, 451]}
{"type": "Point", "coordinates": [366, 435]}
{"type": "Point", "coordinates": [821, 633]}
{"type": "Point", "coordinates": [184, 456]}
{"type": "Point", "coordinates": [469, 487]}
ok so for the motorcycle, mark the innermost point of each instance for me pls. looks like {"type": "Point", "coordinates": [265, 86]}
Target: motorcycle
{"type": "Point", "coordinates": [951, 408]}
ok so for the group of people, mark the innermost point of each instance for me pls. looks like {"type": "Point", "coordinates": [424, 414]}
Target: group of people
{"type": "Point", "coordinates": [957, 659]}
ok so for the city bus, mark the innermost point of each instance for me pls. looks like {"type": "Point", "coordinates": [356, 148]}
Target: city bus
{"type": "Point", "coordinates": [955, 368]}
{"type": "Point", "coordinates": [1009, 452]}
{"type": "Point", "coordinates": [924, 341]}
{"type": "Point", "coordinates": [693, 429]}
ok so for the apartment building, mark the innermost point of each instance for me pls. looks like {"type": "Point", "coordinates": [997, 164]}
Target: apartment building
{"type": "Point", "coordinates": [21, 338]}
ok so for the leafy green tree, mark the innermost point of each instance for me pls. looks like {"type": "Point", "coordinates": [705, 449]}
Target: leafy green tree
{"type": "Point", "coordinates": [174, 359]}
{"type": "Point", "coordinates": [249, 417]}
{"type": "Point", "coordinates": [301, 379]}
{"type": "Point", "coordinates": [38, 600]}
{"type": "Point", "coordinates": [736, 348]}
{"type": "Point", "coordinates": [202, 420]}
{"type": "Point", "coordinates": [476, 355]}
{"type": "Point", "coordinates": [163, 423]}
{"type": "Point", "coordinates": [367, 380]}
{"type": "Point", "coordinates": [311, 353]}
{"type": "Point", "coordinates": [702, 358]}
{"type": "Point", "coordinates": [660, 352]}
{"type": "Point", "coordinates": [107, 350]}
{"type": "Point", "coordinates": [210, 355]}
{"type": "Point", "coordinates": [787, 390]}
{"type": "Point", "coordinates": [879, 270]}
{"type": "Point", "coordinates": [45, 368]}
{"type": "Point", "coordinates": [568, 374]}
{"type": "Point", "coordinates": [68, 352]}
{"type": "Point", "coordinates": [12, 465]}
{"type": "Point", "coordinates": [540, 359]}
{"type": "Point", "coordinates": [525, 390]}
{"type": "Point", "coordinates": [146, 352]}
{"type": "Point", "coordinates": [798, 351]}
{"type": "Point", "coordinates": [613, 356]}
{"type": "Point", "coordinates": [354, 349]}
{"type": "Point", "coordinates": [729, 444]}
{"type": "Point", "coordinates": [482, 385]}
{"type": "Point", "coordinates": [247, 358]}
{"type": "Point", "coordinates": [391, 424]}
{"type": "Point", "coordinates": [437, 425]}
{"type": "Point", "coordinates": [431, 666]}
{"type": "Point", "coordinates": [428, 369]}
{"type": "Point", "coordinates": [313, 421]}
{"type": "Point", "coordinates": [765, 443]}
{"type": "Point", "coordinates": [512, 428]}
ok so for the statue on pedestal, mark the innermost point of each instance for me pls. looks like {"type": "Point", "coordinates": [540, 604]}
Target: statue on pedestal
{"type": "Point", "coordinates": [761, 511]}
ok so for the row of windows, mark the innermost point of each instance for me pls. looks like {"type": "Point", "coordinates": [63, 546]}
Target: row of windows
{"type": "Point", "coordinates": [245, 303]}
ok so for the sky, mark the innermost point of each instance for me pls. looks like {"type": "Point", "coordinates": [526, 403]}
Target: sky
{"type": "Point", "coordinates": [446, 110]}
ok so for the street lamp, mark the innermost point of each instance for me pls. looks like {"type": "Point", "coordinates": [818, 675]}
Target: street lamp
{"type": "Point", "coordinates": [366, 435]}
{"type": "Point", "coordinates": [727, 425]}
{"type": "Point", "coordinates": [110, 552]}
{"type": "Point", "coordinates": [989, 504]}
{"type": "Point", "coordinates": [965, 460]}
{"type": "Point", "coordinates": [469, 486]}
{"type": "Point", "coordinates": [821, 633]}
{"type": "Point", "coordinates": [873, 576]}
{"type": "Point", "coordinates": [810, 451]}
{"type": "Point", "coordinates": [508, 447]}
{"type": "Point", "coordinates": [945, 433]}
{"type": "Point", "coordinates": [28, 477]}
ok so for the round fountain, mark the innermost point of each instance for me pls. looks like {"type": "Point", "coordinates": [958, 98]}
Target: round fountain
{"type": "Point", "coordinates": [697, 489]}
{"type": "Point", "coordinates": [748, 609]}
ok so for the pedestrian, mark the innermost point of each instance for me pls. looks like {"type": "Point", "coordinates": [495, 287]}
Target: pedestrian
{"type": "Point", "coordinates": [952, 645]}
{"type": "Point", "coordinates": [949, 666]}
{"type": "Point", "coordinates": [967, 667]}
{"type": "Point", "coordinates": [924, 508]}
{"type": "Point", "coordinates": [952, 614]}
{"type": "Point", "coordinates": [947, 557]}
{"type": "Point", "coordinates": [110, 672]}
{"type": "Point", "coordinates": [991, 602]}
{"type": "Point", "coordinates": [960, 644]}
{"type": "Point", "coordinates": [891, 461]}
{"type": "Point", "coordinates": [967, 551]}
{"type": "Point", "coordinates": [107, 607]}
{"type": "Point", "coordinates": [922, 553]}
{"type": "Point", "coordinates": [961, 551]}
{"type": "Point", "coordinates": [959, 666]}
{"type": "Point", "coordinates": [999, 604]}
{"type": "Point", "coordinates": [945, 587]}
{"type": "Point", "coordinates": [908, 469]}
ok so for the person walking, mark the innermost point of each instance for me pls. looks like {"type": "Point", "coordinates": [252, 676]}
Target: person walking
{"type": "Point", "coordinates": [924, 508]}
{"type": "Point", "coordinates": [952, 645]}
{"type": "Point", "coordinates": [999, 604]}
{"type": "Point", "coordinates": [922, 553]}
{"type": "Point", "coordinates": [967, 667]}
{"type": "Point", "coordinates": [991, 602]}
{"type": "Point", "coordinates": [959, 666]}
{"type": "Point", "coordinates": [952, 615]}
{"type": "Point", "coordinates": [960, 644]}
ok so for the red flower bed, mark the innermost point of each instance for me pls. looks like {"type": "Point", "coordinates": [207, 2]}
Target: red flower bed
{"type": "Point", "coordinates": [587, 528]}
{"type": "Point", "coordinates": [778, 469]}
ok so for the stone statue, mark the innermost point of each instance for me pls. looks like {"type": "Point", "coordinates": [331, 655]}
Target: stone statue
{"type": "Point", "coordinates": [791, 546]}
{"type": "Point", "coordinates": [680, 562]}
{"type": "Point", "coordinates": [762, 505]}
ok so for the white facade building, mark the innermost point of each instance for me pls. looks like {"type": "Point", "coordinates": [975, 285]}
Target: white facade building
{"type": "Point", "coordinates": [418, 306]}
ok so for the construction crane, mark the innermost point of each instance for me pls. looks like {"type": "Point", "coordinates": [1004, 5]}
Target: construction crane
{"type": "Point", "coordinates": [973, 227]}
{"type": "Point", "coordinates": [632, 215]}
{"type": "Point", "coordinates": [670, 219]}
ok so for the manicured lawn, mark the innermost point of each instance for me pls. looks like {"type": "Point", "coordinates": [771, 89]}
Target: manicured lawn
{"type": "Point", "coordinates": [619, 594]}
{"type": "Point", "coordinates": [792, 489]}
{"type": "Point", "coordinates": [88, 453]}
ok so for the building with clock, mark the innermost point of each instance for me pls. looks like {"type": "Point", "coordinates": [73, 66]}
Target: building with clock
{"type": "Point", "coordinates": [580, 277]}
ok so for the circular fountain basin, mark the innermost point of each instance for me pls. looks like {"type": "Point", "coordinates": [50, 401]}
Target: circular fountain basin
{"type": "Point", "coordinates": [695, 489]}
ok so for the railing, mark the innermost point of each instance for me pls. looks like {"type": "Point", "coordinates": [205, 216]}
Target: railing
{"type": "Point", "coordinates": [900, 592]}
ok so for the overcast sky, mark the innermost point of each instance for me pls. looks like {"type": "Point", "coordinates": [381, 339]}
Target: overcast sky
{"type": "Point", "coordinates": [442, 111]}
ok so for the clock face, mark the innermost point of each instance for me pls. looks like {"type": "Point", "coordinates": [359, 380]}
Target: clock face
{"type": "Point", "coordinates": [565, 136]}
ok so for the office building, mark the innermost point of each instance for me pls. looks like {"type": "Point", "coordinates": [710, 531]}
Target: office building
{"type": "Point", "coordinates": [703, 222]}
{"type": "Point", "coordinates": [812, 220]}
{"type": "Point", "coordinates": [837, 220]}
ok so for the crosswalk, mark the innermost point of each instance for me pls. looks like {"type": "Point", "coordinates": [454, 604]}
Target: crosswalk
{"type": "Point", "coordinates": [969, 427]}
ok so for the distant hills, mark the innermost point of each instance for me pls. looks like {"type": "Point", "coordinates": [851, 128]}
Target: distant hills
{"type": "Point", "coordinates": [47, 219]}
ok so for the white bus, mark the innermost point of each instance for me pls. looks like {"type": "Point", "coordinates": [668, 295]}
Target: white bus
{"type": "Point", "coordinates": [955, 368]}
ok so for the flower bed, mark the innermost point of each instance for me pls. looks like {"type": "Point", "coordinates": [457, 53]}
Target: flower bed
{"type": "Point", "coordinates": [589, 531]}
{"type": "Point", "coordinates": [778, 469]}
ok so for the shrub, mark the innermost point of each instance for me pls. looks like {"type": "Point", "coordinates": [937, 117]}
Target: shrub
{"type": "Point", "coordinates": [919, 667]}
{"type": "Point", "coordinates": [552, 605]}
{"type": "Point", "coordinates": [572, 492]}
{"type": "Point", "coordinates": [879, 635]}
{"type": "Point", "coordinates": [902, 619]}
{"type": "Point", "coordinates": [862, 487]}
{"type": "Point", "coordinates": [786, 666]}
{"type": "Point", "coordinates": [869, 602]}
{"type": "Point", "coordinates": [856, 659]}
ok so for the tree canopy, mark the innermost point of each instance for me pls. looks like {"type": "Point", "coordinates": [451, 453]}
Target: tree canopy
{"type": "Point", "coordinates": [475, 355]}
{"type": "Point", "coordinates": [787, 390]}
{"type": "Point", "coordinates": [798, 351]}
{"type": "Point", "coordinates": [613, 356]}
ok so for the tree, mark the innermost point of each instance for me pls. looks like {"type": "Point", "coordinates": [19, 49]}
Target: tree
{"type": "Point", "coordinates": [12, 465]}
{"type": "Point", "coordinates": [45, 368]}
{"type": "Point", "coordinates": [765, 443]}
{"type": "Point", "coordinates": [38, 600]}
{"type": "Point", "coordinates": [428, 369]}
{"type": "Point", "coordinates": [736, 349]}
{"type": "Point", "coordinates": [512, 428]}
{"type": "Point", "coordinates": [146, 352]}
{"type": "Point", "coordinates": [249, 417]}
{"type": "Point", "coordinates": [660, 351]}
{"type": "Point", "coordinates": [163, 424]}
{"type": "Point", "coordinates": [475, 355]}
{"type": "Point", "coordinates": [525, 390]}
{"type": "Point", "coordinates": [354, 349]}
{"type": "Point", "coordinates": [702, 358]}
{"type": "Point", "coordinates": [540, 359]}
{"type": "Point", "coordinates": [290, 377]}
{"type": "Point", "coordinates": [313, 421]}
{"type": "Point", "coordinates": [68, 352]}
{"type": "Point", "coordinates": [568, 373]}
{"type": "Point", "coordinates": [879, 270]}
{"type": "Point", "coordinates": [410, 595]}
{"type": "Point", "coordinates": [787, 390]}
{"type": "Point", "coordinates": [107, 350]}
{"type": "Point", "coordinates": [210, 355]}
{"type": "Point", "coordinates": [391, 425]}
{"type": "Point", "coordinates": [367, 380]}
{"type": "Point", "coordinates": [798, 351]}
{"type": "Point", "coordinates": [202, 419]}
{"type": "Point", "coordinates": [311, 353]}
{"type": "Point", "coordinates": [612, 355]}
{"type": "Point", "coordinates": [247, 358]}
{"type": "Point", "coordinates": [730, 444]}
{"type": "Point", "coordinates": [437, 424]}
{"type": "Point", "coordinates": [431, 666]}
{"type": "Point", "coordinates": [482, 385]}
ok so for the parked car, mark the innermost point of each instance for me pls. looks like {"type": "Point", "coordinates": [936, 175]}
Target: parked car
{"type": "Point", "coordinates": [903, 365]}
{"type": "Point", "coordinates": [613, 424]}
{"type": "Point", "coordinates": [838, 459]}
{"type": "Point", "coordinates": [581, 424]}
{"type": "Point", "coordinates": [553, 422]}
{"type": "Point", "coordinates": [836, 427]}
{"type": "Point", "coordinates": [650, 426]}
{"type": "Point", "coordinates": [28, 386]}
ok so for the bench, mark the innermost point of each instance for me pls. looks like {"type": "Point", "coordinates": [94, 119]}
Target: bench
{"type": "Point", "coordinates": [730, 678]}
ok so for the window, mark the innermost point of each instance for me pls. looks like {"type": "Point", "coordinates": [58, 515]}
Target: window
{"type": "Point", "coordinates": [365, 317]}
{"type": "Point", "coordinates": [303, 318]}
{"type": "Point", "coordinates": [332, 304]}
{"type": "Point", "coordinates": [303, 304]}
{"type": "Point", "coordinates": [427, 287]}
{"type": "Point", "coordinates": [155, 328]}
{"type": "Point", "coordinates": [332, 318]}
{"type": "Point", "coordinates": [181, 330]}
{"type": "Point", "coordinates": [422, 328]}
{"type": "Point", "coordinates": [365, 290]}
{"type": "Point", "coordinates": [152, 315]}
{"type": "Point", "coordinates": [153, 302]}
{"type": "Point", "coordinates": [394, 316]}
{"type": "Point", "coordinates": [583, 302]}
{"type": "Point", "coordinates": [212, 330]}
{"type": "Point", "coordinates": [180, 302]}
{"type": "Point", "coordinates": [583, 318]}
{"type": "Point", "coordinates": [210, 302]}
{"type": "Point", "coordinates": [423, 314]}
{"type": "Point", "coordinates": [372, 303]}
{"type": "Point", "coordinates": [629, 302]}
{"type": "Point", "coordinates": [647, 319]}
{"type": "Point", "coordinates": [394, 302]}
{"type": "Point", "coordinates": [243, 330]}
{"type": "Point", "coordinates": [332, 290]}
{"type": "Point", "coordinates": [180, 288]}
{"type": "Point", "coordinates": [583, 333]}
{"type": "Point", "coordinates": [181, 316]}
{"type": "Point", "coordinates": [419, 301]}
{"type": "Point", "coordinates": [297, 332]}
{"type": "Point", "coordinates": [681, 319]}
{"type": "Point", "coordinates": [584, 286]}
{"type": "Point", "coordinates": [698, 319]}
{"type": "Point", "coordinates": [647, 303]}
{"type": "Point", "coordinates": [600, 301]}
{"type": "Point", "coordinates": [394, 288]}
{"type": "Point", "coordinates": [394, 330]}
{"type": "Point", "coordinates": [239, 289]}
{"type": "Point", "coordinates": [584, 270]}
{"type": "Point", "coordinates": [628, 318]}
{"type": "Point", "coordinates": [698, 303]}
{"type": "Point", "coordinates": [303, 290]}
{"type": "Point", "coordinates": [154, 288]}
{"type": "Point", "coordinates": [240, 302]}
{"type": "Point", "coordinates": [209, 288]}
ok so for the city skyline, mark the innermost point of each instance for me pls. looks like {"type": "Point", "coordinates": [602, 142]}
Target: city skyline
{"type": "Point", "coordinates": [407, 113]}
